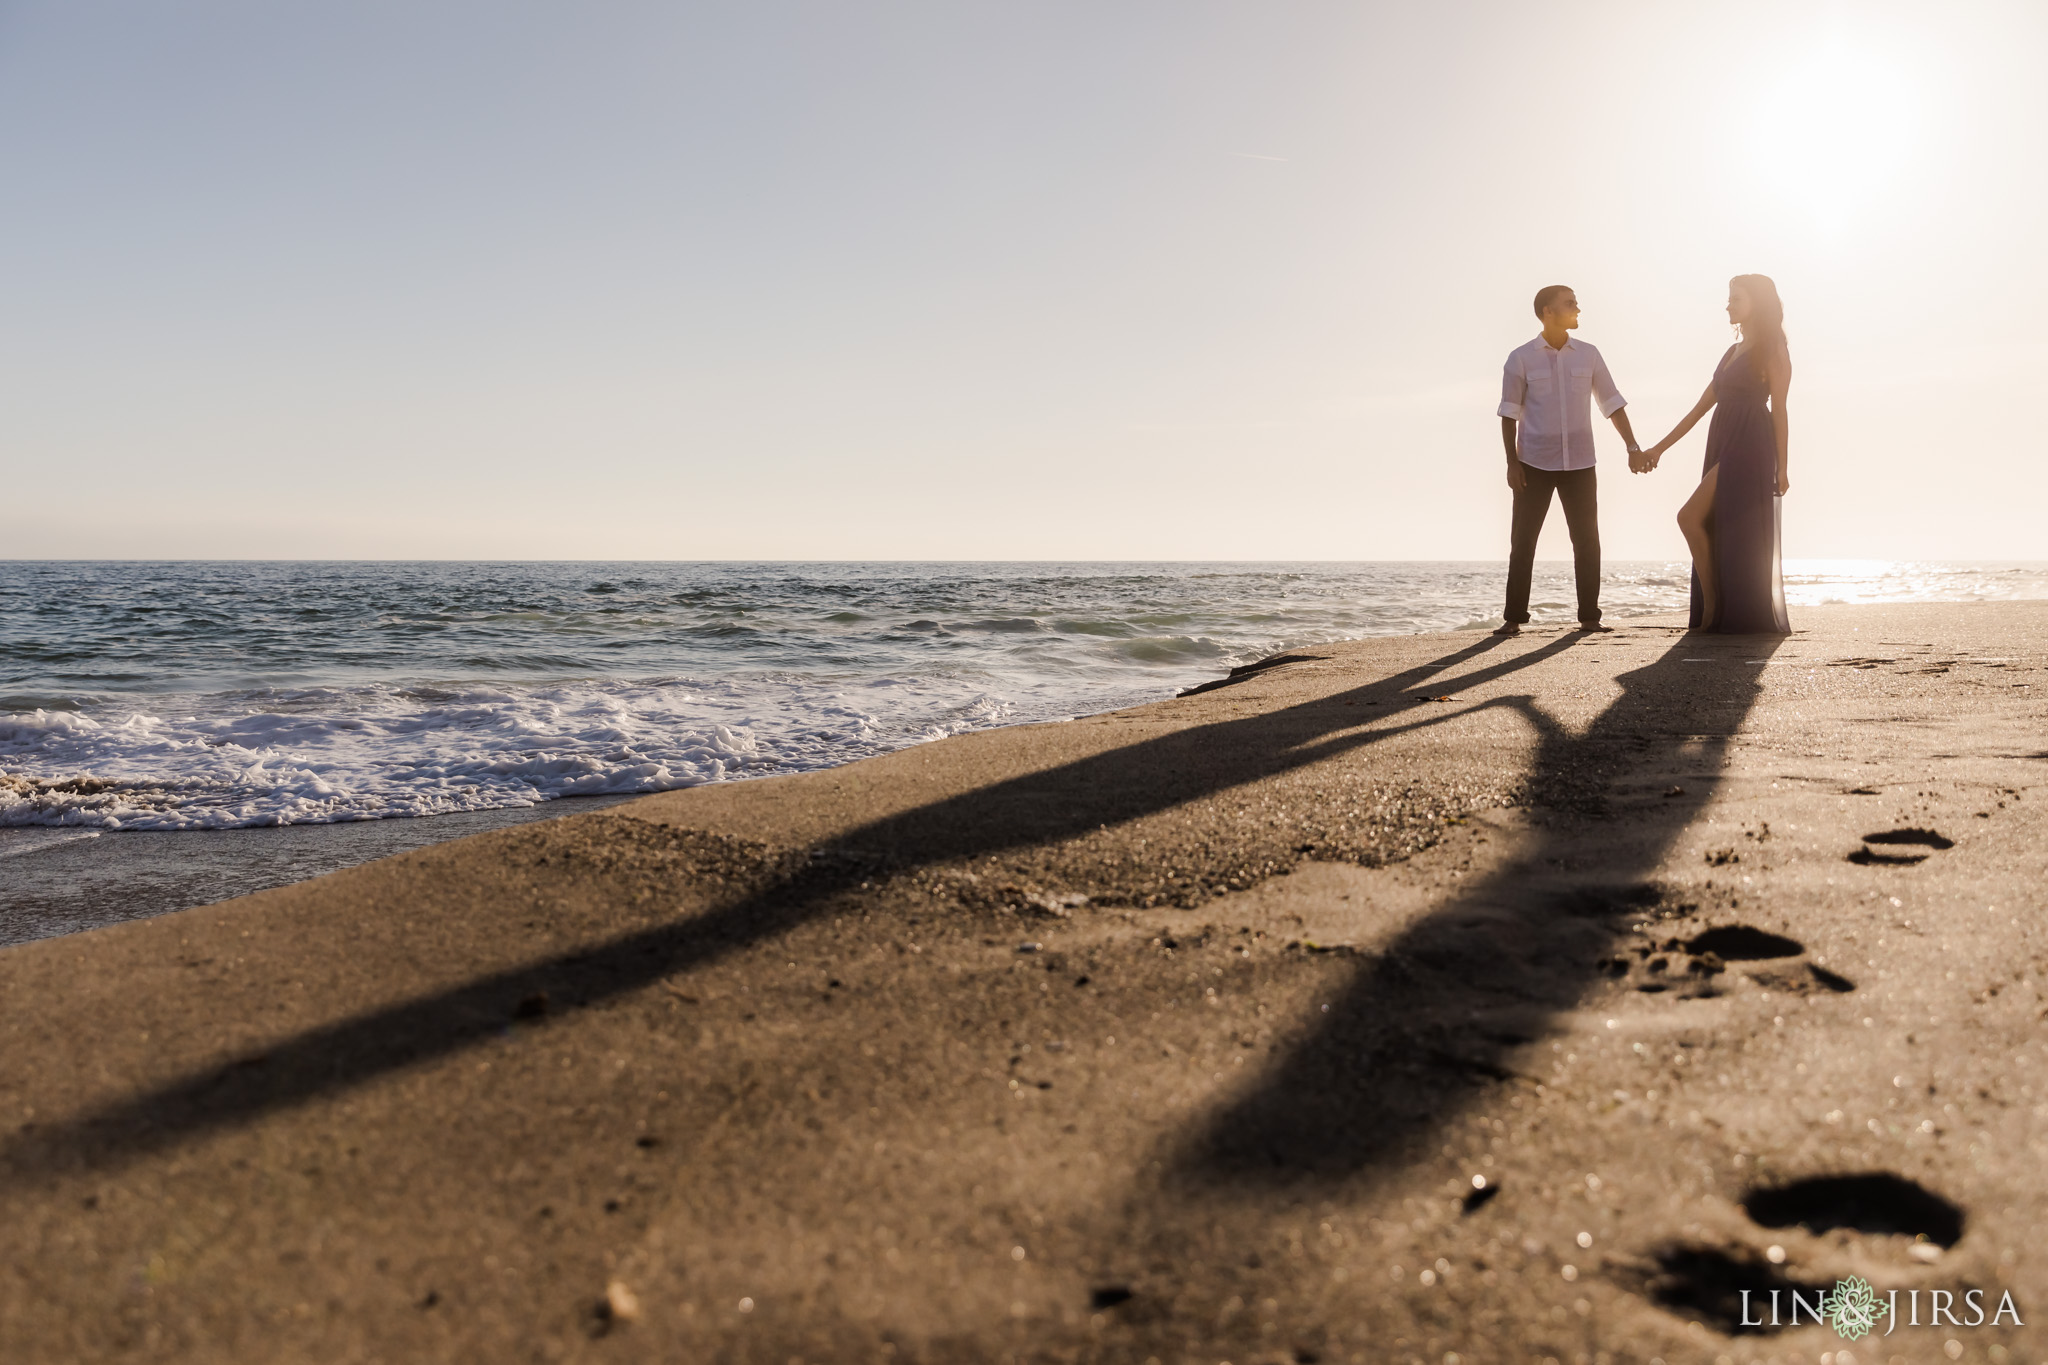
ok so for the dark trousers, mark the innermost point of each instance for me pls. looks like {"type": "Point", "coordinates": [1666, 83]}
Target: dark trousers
{"type": "Point", "coordinates": [1576, 489]}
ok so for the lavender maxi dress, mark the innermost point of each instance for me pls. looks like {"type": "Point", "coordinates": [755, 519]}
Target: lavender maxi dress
{"type": "Point", "coordinates": [1744, 524]}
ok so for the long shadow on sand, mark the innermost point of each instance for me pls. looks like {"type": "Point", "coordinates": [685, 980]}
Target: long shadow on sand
{"type": "Point", "coordinates": [1038, 808]}
{"type": "Point", "coordinates": [1441, 1010]}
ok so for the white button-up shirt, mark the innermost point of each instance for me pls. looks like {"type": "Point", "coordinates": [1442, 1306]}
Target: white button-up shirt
{"type": "Point", "coordinates": [1549, 394]}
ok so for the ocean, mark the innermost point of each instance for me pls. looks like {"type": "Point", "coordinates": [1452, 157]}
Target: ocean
{"type": "Point", "coordinates": [207, 696]}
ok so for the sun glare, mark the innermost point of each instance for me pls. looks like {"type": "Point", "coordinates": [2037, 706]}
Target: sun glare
{"type": "Point", "coordinates": [1837, 132]}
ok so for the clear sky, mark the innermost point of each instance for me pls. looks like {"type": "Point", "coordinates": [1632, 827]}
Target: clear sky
{"type": "Point", "coordinates": [1137, 279]}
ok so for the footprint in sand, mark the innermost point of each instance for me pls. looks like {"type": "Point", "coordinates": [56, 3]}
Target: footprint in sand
{"type": "Point", "coordinates": [1867, 856]}
{"type": "Point", "coordinates": [1689, 966]}
{"type": "Point", "coordinates": [1877, 1202]}
{"type": "Point", "coordinates": [1707, 1281]}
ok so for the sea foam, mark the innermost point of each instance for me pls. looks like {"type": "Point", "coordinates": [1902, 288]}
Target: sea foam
{"type": "Point", "coordinates": [375, 752]}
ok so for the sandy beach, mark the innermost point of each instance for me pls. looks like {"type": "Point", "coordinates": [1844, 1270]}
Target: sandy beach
{"type": "Point", "coordinates": [1442, 998]}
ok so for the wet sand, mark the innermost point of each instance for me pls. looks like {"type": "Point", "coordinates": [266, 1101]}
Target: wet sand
{"type": "Point", "coordinates": [62, 880]}
{"type": "Point", "coordinates": [1515, 999]}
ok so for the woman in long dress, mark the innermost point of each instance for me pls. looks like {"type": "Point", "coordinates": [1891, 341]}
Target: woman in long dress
{"type": "Point", "coordinates": [1731, 519]}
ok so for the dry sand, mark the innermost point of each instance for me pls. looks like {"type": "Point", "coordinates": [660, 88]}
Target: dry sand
{"type": "Point", "coordinates": [1183, 1032]}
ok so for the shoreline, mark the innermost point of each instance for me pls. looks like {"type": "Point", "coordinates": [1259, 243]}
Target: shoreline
{"type": "Point", "coordinates": [97, 878]}
{"type": "Point", "coordinates": [1205, 1026]}
{"type": "Point", "coordinates": [53, 883]}
{"type": "Point", "coordinates": [91, 884]}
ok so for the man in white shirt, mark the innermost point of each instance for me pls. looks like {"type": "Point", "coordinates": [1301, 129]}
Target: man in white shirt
{"type": "Point", "coordinates": [1546, 423]}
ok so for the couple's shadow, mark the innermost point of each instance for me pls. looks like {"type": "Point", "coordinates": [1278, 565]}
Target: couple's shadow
{"type": "Point", "coordinates": [1438, 1015]}
{"type": "Point", "coordinates": [1337, 1101]}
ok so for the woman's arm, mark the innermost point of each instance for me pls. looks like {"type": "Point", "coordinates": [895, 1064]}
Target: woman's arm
{"type": "Point", "coordinates": [1699, 410]}
{"type": "Point", "coordinates": [1778, 374]}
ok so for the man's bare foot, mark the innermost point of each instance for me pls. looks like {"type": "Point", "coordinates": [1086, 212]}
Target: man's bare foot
{"type": "Point", "coordinates": [1594, 629]}
{"type": "Point", "coordinates": [1510, 628]}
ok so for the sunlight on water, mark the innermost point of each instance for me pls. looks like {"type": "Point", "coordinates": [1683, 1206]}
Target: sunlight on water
{"type": "Point", "coordinates": [1815, 582]}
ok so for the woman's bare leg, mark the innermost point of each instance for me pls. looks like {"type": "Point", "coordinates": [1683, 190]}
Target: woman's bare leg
{"type": "Point", "coordinates": [1692, 520]}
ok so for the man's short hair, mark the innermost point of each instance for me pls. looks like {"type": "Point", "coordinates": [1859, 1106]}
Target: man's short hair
{"type": "Point", "coordinates": [1549, 294]}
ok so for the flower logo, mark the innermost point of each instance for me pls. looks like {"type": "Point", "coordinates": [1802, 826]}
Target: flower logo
{"type": "Point", "coordinates": [1852, 1307]}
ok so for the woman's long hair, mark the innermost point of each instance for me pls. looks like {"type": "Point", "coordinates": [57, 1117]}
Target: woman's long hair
{"type": "Point", "coordinates": [1766, 325]}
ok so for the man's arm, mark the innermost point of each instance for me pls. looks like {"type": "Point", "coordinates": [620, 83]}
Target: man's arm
{"type": "Point", "coordinates": [1628, 436]}
{"type": "Point", "coordinates": [1514, 388]}
{"type": "Point", "coordinates": [1615, 408]}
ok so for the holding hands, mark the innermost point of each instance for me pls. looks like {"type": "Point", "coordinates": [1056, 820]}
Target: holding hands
{"type": "Point", "coordinates": [1643, 461]}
